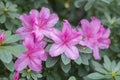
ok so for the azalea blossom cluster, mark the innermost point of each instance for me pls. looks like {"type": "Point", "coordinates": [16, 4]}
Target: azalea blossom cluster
{"type": "Point", "coordinates": [38, 25]}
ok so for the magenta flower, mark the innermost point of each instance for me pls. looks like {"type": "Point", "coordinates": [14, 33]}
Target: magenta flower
{"type": "Point", "coordinates": [2, 37]}
{"type": "Point", "coordinates": [65, 42]}
{"type": "Point", "coordinates": [16, 76]}
{"type": "Point", "coordinates": [38, 23]}
{"type": "Point", "coordinates": [95, 36]}
{"type": "Point", "coordinates": [33, 57]}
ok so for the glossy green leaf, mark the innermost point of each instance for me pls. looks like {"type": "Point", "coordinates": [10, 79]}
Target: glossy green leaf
{"type": "Point", "coordinates": [51, 62]}
{"type": "Point", "coordinates": [78, 61]}
{"type": "Point", "coordinates": [65, 68]}
{"type": "Point", "coordinates": [95, 76]}
{"type": "Point", "coordinates": [65, 60]}
{"type": "Point", "coordinates": [5, 55]}
{"type": "Point", "coordinates": [85, 59]}
{"type": "Point", "coordinates": [2, 19]}
{"type": "Point", "coordinates": [9, 66]}
{"type": "Point", "coordinates": [89, 4]}
{"type": "Point", "coordinates": [13, 38]}
{"type": "Point", "coordinates": [72, 78]}
{"type": "Point", "coordinates": [16, 50]}
{"type": "Point", "coordinates": [107, 63]}
{"type": "Point", "coordinates": [117, 77]}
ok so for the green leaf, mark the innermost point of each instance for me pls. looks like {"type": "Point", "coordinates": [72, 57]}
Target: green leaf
{"type": "Point", "coordinates": [107, 63]}
{"type": "Point", "coordinates": [1, 5]}
{"type": "Point", "coordinates": [3, 78]}
{"type": "Point", "coordinates": [89, 4]}
{"type": "Point", "coordinates": [7, 34]}
{"type": "Point", "coordinates": [8, 4]}
{"type": "Point", "coordinates": [13, 15]}
{"type": "Point", "coordinates": [13, 8]}
{"type": "Point", "coordinates": [9, 66]}
{"type": "Point", "coordinates": [65, 68]}
{"type": "Point", "coordinates": [9, 25]}
{"type": "Point", "coordinates": [11, 76]}
{"type": "Point", "coordinates": [28, 76]}
{"type": "Point", "coordinates": [86, 78]}
{"type": "Point", "coordinates": [2, 19]}
{"type": "Point", "coordinates": [78, 61]}
{"type": "Point", "coordinates": [72, 78]}
{"type": "Point", "coordinates": [13, 38]}
{"type": "Point", "coordinates": [96, 64]}
{"type": "Point", "coordinates": [34, 76]}
{"type": "Point", "coordinates": [107, 1]}
{"type": "Point", "coordinates": [117, 68]}
{"type": "Point", "coordinates": [16, 50]}
{"type": "Point", "coordinates": [65, 60]}
{"type": "Point", "coordinates": [117, 77]}
{"type": "Point", "coordinates": [39, 75]}
{"type": "Point", "coordinates": [95, 76]}
{"type": "Point", "coordinates": [78, 3]}
{"type": "Point", "coordinates": [113, 65]}
{"type": "Point", "coordinates": [5, 55]}
{"type": "Point", "coordinates": [85, 59]}
{"type": "Point", "coordinates": [24, 73]}
{"type": "Point", "coordinates": [107, 76]}
{"type": "Point", "coordinates": [50, 62]}
{"type": "Point", "coordinates": [101, 70]}
{"type": "Point", "coordinates": [49, 77]}
{"type": "Point", "coordinates": [82, 71]}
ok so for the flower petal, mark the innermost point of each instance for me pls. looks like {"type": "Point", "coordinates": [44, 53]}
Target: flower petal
{"type": "Point", "coordinates": [38, 34]}
{"type": "Point", "coordinates": [34, 13]}
{"type": "Point", "coordinates": [53, 19]}
{"type": "Point", "coordinates": [104, 43]}
{"type": "Point", "coordinates": [107, 33]}
{"type": "Point", "coordinates": [28, 42]}
{"type": "Point", "coordinates": [35, 64]}
{"type": "Point", "coordinates": [95, 24]}
{"type": "Point", "coordinates": [55, 36]}
{"type": "Point", "coordinates": [47, 33]}
{"type": "Point", "coordinates": [96, 53]}
{"type": "Point", "coordinates": [25, 20]}
{"type": "Point", "coordinates": [44, 13]}
{"type": "Point", "coordinates": [72, 52]}
{"type": "Point", "coordinates": [56, 49]}
{"type": "Point", "coordinates": [67, 29]}
{"type": "Point", "coordinates": [85, 23]}
{"type": "Point", "coordinates": [21, 63]}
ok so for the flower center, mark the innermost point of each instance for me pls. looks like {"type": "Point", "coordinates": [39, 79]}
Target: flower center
{"type": "Point", "coordinates": [113, 74]}
{"type": "Point", "coordinates": [42, 23]}
{"type": "Point", "coordinates": [65, 39]}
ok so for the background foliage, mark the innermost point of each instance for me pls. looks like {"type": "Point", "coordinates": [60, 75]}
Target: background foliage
{"type": "Point", "coordinates": [61, 68]}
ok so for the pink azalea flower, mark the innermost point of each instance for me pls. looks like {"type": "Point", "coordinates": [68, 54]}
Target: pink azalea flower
{"type": "Point", "coordinates": [38, 23]}
{"type": "Point", "coordinates": [16, 76]}
{"type": "Point", "coordinates": [65, 42]}
{"type": "Point", "coordinates": [95, 36]}
{"type": "Point", "coordinates": [2, 37]}
{"type": "Point", "coordinates": [33, 57]}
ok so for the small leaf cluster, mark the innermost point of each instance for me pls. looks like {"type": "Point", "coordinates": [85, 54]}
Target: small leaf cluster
{"type": "Point", "coordinates": [10, 49]}
{"type": "Point", "coordinates": [8, 14]}
{"type": "Point", "coordinates": [109, 70]}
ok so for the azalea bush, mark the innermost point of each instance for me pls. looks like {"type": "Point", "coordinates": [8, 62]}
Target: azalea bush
{"type": "Point", "coordinates": [59, 40]}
